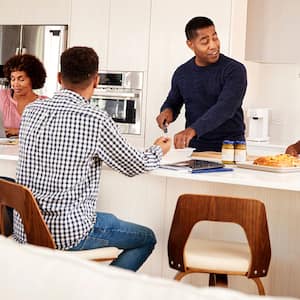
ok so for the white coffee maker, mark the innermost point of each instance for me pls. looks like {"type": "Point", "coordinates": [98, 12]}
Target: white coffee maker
{"type": "Point", "coordinates": [258, 124]}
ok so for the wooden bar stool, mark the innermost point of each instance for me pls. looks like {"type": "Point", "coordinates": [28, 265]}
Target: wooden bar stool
{"type": "Point", "coordinates": [220, 258]}
{"type": "Point", "coordinates": [37, 232]}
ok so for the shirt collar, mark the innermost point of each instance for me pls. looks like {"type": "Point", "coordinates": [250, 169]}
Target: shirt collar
{"type": "Point", "coordinates": [210, 66]}
{"type": "Point", "coordinates": [72, 96]}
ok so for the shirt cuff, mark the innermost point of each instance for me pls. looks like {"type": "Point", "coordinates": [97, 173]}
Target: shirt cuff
{"type": "Point", "coordinates": [156, 150]}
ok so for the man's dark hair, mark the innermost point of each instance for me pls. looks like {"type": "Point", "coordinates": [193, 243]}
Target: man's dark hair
{"type": "Point", "coordinates": [29, 64]}
{"type": "Point", "coordinates": [79, 65]}
{"type": "Point", "coordinates": [196, 23]}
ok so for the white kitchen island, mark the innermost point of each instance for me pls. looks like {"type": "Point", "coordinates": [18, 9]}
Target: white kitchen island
{"type": "Point", "coordinates": [150, 199]}
{"type": "Point", "coordinates": [8, 160]}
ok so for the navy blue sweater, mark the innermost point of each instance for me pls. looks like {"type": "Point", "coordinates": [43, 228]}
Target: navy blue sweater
{"type": "Point", "coordinates": [213, 97]}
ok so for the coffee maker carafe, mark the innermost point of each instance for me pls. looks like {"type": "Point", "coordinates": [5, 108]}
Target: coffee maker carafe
{"type": "Point", "coordinates": [258, 124]}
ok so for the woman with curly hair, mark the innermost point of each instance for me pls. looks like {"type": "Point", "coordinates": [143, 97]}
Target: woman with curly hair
{"type": "Point", "coordinates": [25, 73]}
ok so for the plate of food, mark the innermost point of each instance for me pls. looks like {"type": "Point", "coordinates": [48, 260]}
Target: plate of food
{"type": "Point", "coordinates": [280, 163]}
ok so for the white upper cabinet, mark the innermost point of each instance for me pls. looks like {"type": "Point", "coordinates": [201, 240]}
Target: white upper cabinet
{"type": "Point", "coordinates": [272, 31]}
{"type": "Point", "coordinates": [89, 26]}
{"type": "Point", "coordinates": [49, 12]}
{"type": "Point", "coordinates": [128, 40]}
{"type": "Point", "coordinates": [118, 30]}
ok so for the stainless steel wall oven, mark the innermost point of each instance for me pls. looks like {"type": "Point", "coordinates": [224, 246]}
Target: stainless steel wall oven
{"type": "Point", "coordinates": [120, 95]}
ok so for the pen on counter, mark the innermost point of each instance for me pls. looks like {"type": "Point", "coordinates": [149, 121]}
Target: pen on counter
{"type": "Point", "coordinates": [211, 170]}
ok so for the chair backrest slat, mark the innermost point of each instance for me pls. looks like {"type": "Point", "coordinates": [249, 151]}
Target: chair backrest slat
{"type": "Point", "coordinates": [22, 200]}
{"type": "Point", "coordinates": [250, 214]}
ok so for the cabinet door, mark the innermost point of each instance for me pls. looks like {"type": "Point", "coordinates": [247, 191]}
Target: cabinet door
{"type": "Point", "coordinates": [129, 35]}
{"type": "Point", "coordinates": [46, 12]}
{"type": "Point", "coordinates": [272, 31]}
{"type": "Point", "coordinates": [89, 26]}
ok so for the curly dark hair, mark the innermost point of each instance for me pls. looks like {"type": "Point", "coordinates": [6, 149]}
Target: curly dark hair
{"type": "Point", "coordinates": [29, 64]}
{"type": "Point", "coordinates": [79, 65]}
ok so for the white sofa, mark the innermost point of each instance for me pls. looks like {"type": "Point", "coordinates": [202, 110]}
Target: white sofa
{"type": "Point", "coordinates": [35, 273]}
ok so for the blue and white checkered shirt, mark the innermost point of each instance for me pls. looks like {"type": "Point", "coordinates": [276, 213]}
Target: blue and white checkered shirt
{"type": "Point", "coordinates": [63, 142]}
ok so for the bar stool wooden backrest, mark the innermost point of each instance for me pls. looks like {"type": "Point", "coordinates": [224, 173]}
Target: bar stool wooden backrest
{"type": "Point", "coordinates": [250, 214]}
{"type": "Point", "coordinates": [37, 232]}
{"type": "Point", "coordinates": [21, 199]}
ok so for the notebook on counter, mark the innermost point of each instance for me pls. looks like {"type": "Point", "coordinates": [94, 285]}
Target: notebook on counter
{"type": "Point", "coordinates": [196, 166]}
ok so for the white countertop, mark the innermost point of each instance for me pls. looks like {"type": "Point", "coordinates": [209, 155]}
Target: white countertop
{"type": "Point", "coordinates": [281, 181]}
{"type": "Point", "coordinates": [246, 177]}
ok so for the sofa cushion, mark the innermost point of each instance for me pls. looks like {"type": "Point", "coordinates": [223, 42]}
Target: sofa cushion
{"type": "Point", "coordinates": [35, 273]}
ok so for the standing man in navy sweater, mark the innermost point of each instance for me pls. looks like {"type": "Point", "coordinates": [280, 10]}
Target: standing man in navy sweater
{"type": "Point", "coordinates": [212, 87]}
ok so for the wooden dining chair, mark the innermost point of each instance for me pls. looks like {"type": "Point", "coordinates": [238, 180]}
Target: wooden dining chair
{"type": "Point", "coordinates": [21, 199]}
{"type": "Point", "coordinates": [220, 258]}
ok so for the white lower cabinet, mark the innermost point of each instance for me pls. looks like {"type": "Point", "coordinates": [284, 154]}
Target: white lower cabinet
{"type": "Point", "coordinates": [150, 200]}
{"type": "Point", "coordinates": [139, 200]}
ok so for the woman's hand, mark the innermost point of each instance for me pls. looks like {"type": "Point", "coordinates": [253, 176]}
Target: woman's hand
{"type": "Point", "coordinates": [11, 132]}
{"type": "Point", "coordinates": [293, 149]}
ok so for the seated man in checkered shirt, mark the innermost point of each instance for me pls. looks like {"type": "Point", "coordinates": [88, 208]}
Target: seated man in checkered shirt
{"type": "Point", "coordinates": [63, 142]}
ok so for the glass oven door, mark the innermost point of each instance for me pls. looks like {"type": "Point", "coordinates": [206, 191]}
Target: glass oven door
{"type": "Point", "coordinates": [123, 111]}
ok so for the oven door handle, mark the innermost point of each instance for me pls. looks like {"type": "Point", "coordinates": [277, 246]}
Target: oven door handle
{"type": "Point", "coordinates": [117, 94]}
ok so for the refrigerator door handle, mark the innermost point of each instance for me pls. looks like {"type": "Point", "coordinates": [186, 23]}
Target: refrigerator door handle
{"type": "Point", "coordinates": [55, 32]}
{"type": "Point", "coordinates": [21, 40]}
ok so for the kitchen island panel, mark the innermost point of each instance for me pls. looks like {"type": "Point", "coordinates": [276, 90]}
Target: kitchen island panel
{"type": "Point", "coordinates": [150, 199]}
{"type": "Point", "coordinates": [8, 168]}
{"type": "Point", "coordinates": [140, 200]}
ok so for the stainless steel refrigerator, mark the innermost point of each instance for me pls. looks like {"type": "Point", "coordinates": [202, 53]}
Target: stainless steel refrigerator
{"type": "Point", "coordinates": [46, 42]}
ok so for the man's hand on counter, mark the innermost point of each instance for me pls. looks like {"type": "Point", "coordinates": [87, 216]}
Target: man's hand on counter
{"type": "Point", "coordinates": [164, 143]}
{"type": "Point", "coordinates": [182, 138]}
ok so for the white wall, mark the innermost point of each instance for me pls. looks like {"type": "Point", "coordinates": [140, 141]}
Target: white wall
{"type": "Point", "coordinates": [276, 86]}
{"type": "Point", "coordinates": [168, 50]}
{"type": "Point", "coordinates": [279, 89]}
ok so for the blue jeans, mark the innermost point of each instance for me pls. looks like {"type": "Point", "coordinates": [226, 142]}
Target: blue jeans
{"type": "Point", "coordinates": [137, 241]}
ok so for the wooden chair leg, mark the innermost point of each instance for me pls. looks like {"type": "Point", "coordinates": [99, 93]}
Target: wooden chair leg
{"type": "Point", "coordinates": [220, 280]}
{"type": "Point", "coordinates": [6, 226]}
{"type": "Point", "coordinates": [260, 286]}
{"type": "Point", "coordinates": [180, 275]}
{"type": "Point", "coordinates": [212, 279]}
